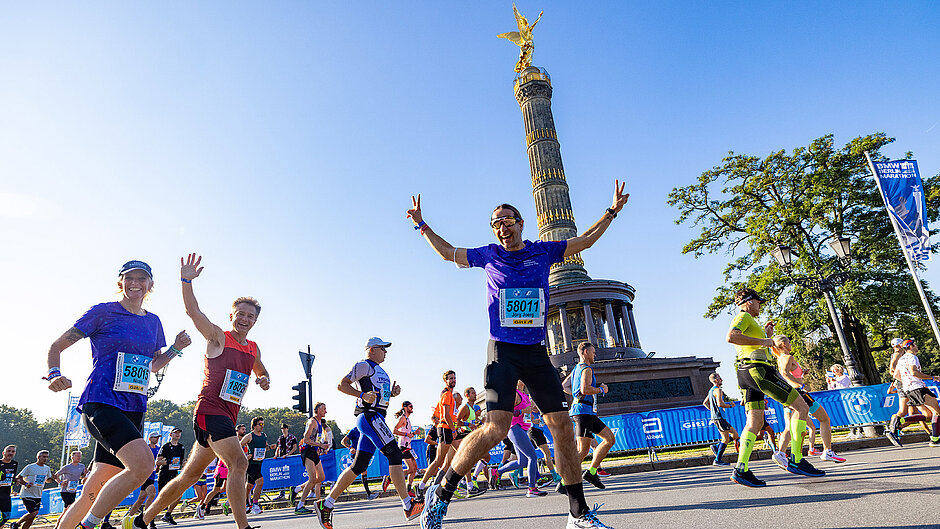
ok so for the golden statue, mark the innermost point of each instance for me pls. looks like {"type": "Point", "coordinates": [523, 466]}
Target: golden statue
{"type": "Point", "coordinates": [522, 38]}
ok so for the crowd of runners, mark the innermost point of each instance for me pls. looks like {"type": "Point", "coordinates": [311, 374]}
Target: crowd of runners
{"type": "Point", "coordinates": [523, 394]}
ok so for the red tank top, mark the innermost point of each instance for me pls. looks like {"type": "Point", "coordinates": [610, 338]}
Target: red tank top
{"type": "Point", "coordinates": [230, 371]}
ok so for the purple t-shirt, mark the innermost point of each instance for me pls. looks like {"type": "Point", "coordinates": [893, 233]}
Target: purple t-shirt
{"type": "Point", "coordinates": [525, 268]}
{"type": "Point", "coordinates": [113, 330]}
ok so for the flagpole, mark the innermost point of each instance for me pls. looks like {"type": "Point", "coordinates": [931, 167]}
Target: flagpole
{"type": "Point", "coordinates": [68, 411]}
{"type": "Point", "coordinates": [910, 264]}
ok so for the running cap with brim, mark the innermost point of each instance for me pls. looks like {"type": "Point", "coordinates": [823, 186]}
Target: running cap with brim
{"type": "Point", "coordinates": [896, 342]}
{"type": "Point", "coordinates": [751, 296]}
{"type": "Point", "coordinates": [376, 341]}
{"type": "Point", "coordinates": [174, 430]}
{"type": "Point", "coordinates": [136, 265]}
{"type": "Point", "coordinates": [153, 434]}
{"type": "Point", "coordinates": [908, 343]}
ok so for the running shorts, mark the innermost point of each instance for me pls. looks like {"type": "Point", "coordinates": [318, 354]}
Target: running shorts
{"type": "Point", "coordinates": [165, 477]}
{"type": "Point", "coordinates": [810, 401]}
{"type": "Point", "coordinates": [588, 425]}
{"type": "Point", "coordinates": [254, 472]}
{"type": "Point", "coordinates": [218, 482]}
{"type": "Point", "coordinates": [310, 453]}
{"type": "Point", "coordinates": [6, 504]}
{"type": "Point", "coordinates": [149, 482]}
{"type": "Point", "coordinates": [901, 393]}
{"type": "Point", "coordinates": [68, 498]}
{"type": "Point", "coordinates": [757, 380]}
{"type": "Point", "coordinates": [31, 505]}
{"type": "Point", "coordinates": [112, 428]}
{"type": "Point", "coordinates": [507, 363]}
{"type": "Point", "coordinates": [722, 424]}
{"type": "Point", "coordinates": [508, 446]}
{"type": "Point", "coordinates": [537, 436]}
{"type": "Point", "coordinates": [406, 453]}
{"type": "Point", "coordinates": [918, 397]}
{"type": "Point", "coordinates": [212, 427]}
{"type": "Point", "coordinates": [445, 436]}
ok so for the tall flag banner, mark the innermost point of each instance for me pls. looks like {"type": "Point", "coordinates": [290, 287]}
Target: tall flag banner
{"type": "Point", "coordinates": [903, 192]}
{"type": "Point", "coordinates": [75, 432]}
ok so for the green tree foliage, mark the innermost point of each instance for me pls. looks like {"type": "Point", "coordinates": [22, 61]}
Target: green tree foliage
{"type": "Point", "coordinates": [748, 205]}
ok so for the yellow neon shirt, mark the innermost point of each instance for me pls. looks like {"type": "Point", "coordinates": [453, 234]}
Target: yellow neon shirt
{"type": "Point", "coordinates": [748, 326]}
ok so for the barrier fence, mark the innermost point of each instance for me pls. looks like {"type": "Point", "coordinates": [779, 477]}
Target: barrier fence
{"type": "Point", "coordinates": [688, 426]}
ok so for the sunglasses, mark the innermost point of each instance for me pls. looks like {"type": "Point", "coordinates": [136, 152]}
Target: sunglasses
{"type": "Point", "coordinates": [503, 221]}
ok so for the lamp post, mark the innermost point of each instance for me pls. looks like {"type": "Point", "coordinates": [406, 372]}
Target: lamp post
{"type": "Point", "coordinates": [826, 286]}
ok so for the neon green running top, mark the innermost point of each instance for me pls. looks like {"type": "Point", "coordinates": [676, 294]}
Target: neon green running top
{"type": "Point", "coordinates": [748, 326]}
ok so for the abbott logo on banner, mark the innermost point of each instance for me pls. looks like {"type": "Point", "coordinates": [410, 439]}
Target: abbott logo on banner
{"type": "Point", "coordinates": [653, 428]}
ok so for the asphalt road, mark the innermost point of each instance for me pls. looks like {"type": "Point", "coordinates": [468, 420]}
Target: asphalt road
{"type": "Point", "coordinates": [876, 487]}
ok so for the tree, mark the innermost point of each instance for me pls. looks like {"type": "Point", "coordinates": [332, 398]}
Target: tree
{"type": "Point", "coordinates": [748, 205]}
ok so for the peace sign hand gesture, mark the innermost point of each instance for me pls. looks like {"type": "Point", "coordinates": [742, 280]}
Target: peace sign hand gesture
{"type": "Point", "coordinates": [190, 269]}
{"type": "Point", "coordinates": [620, 198]}
{"type": "Point", "coordinates": [415, 212]}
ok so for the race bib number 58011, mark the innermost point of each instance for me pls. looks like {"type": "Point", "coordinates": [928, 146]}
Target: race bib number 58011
{"type": "Point", "coordinates": [521, 307]}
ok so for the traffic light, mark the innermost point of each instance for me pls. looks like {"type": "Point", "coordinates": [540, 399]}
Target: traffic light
{"type": "Point", "coordinates": [300, 397]}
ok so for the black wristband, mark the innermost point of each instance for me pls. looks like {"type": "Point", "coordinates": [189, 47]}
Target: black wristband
{"type": "Point", "coordinates": [613, 214]}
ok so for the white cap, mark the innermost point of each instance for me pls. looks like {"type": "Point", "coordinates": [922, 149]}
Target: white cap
{"type": "Point", "coordinates": [896, 341]}
{"type": "Point", "coordinates": [376, 341]}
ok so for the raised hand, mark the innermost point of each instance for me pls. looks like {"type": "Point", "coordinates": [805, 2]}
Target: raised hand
{"type": "Point", "coordinates": [415, 212]}
{"type": "Point", "coordinates": [190, 269]}
{"type": "Point", "coordinates": [620, 198]}
{"type": "Point", "coordinates": [182, 341]}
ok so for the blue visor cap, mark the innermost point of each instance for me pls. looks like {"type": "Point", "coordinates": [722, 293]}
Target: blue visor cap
{"type": "Point", "coordinates": [136, 265]}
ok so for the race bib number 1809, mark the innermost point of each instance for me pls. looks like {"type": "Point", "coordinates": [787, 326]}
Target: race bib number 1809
{"type": "Point", "coordinates": [521, 307]}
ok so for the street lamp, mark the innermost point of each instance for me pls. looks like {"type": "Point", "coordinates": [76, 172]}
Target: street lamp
{"type": "Point", "coordinates": [826, 286]}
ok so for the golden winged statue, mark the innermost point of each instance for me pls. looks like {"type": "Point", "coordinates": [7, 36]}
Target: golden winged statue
{"type": "Point", "coordinates": [522, 38]}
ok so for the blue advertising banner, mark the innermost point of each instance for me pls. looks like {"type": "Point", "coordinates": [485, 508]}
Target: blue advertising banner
{"type": "Point", "coordinates": [903, 192]}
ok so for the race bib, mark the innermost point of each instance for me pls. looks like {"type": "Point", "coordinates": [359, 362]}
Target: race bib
{"type": "Point", "coordinates": [39, 480]}
{"type": "Point", "coordinates": [71, 486]}
{"type": "Point", "coordinates": [521, 307]}
{"type": "Point", "coordinates": [234, 386]}
{"type": "Point", "coordinates": [386, 392]}
{"type": "Point", "coordinates": [6, 480]}
{"type": "Point", "coordinates": [132, 373]}
{"type": "Point", "coordinates": [258, 454]}
{"type": "Point", "coordinates": [174, 464]}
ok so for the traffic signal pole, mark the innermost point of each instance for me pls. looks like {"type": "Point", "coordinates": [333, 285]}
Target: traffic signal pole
{"type": "Point", "coordinates": [306, 359]}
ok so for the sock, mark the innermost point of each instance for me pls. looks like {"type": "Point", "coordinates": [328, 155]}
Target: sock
{"type": "Point", "coordinates": [440, 476]}
{"type": "Point", "coordinates": [796, 439]}
{"type": "Point", "coordinates": [451, 480]}
{"type": "Point", "coordinates": [935, 426]}
{"type": "Point", "coordinates": [91, 520]}
{"type": "Point", "coordinates": [593, 470]}
{"type": "Point", "coordinates": [577, 505]}
{"type": "Point", "coordinates": [737, 445]}
{"type": "Point", "coordinates": [365, 485]}
{"type": "Point", "coordinates": [744, 454]}
{"type": "Point", "coordinates": [329, 502]}
{"type": "Point", "coordinates": [720, 451]}
{"type": "Point", "coordinates": [406, 503]}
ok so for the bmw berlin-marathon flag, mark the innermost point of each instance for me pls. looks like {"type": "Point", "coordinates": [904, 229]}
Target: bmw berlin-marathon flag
{"type": "Point", "coordinates": [903, 191]}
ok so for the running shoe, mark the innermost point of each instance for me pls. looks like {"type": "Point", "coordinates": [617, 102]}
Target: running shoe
{"type": "Point", "coordinates": [302, 510]}
{"type": "Point", "coordinates": [168, 518]}
{"type": "Point", "coordinates": [894, 423]}
{"type": "Point", "coordinates": [475, 491]}
{"type": "Point", "coordinates": [720, 463]}
{"type": "Point", "coordinates": [200, 513]}
{"type": "Point", "coordinates": [225, 508]}
{"type": "Point", "coordinates": [414, 510]}
{"type": "Point", "coordinates": [813, 452]}
{"type": "Point", "coordinates": [746, 478]}
{"type": "Point", "coordinates": [514, 477]}
{"type": "Point", "coordinates": [561, 489]}
{"type": "Point", "coordinates": [587, 521]}
{"type": "Point", "coordinates": [14, 525]}
{"type": "Point", "coordinates": [544, 480]}
{"type": "Point", "coordinates": [714, 449]}
{"type": "Point", "coordinates": [781, 460]}
{"type": "Point", "coordinates": [255, 508]}
{"type": "Point", "coordinates": [374, 495]}
{"type": "Point", "coordinates": [593, 479]}
{"type": "Point", "coordinates": [386, 481]}
{"type": "Point", "coordinates": [804, 468]}
{"type": "Point", "coordinates": [535, 493]}
{"type": "Point", "coordinates": [829, 455]}
{"type": "Point", "coordinates": [934, 441]}
{"type": "Point", "coordinates": [555, 477]}
{"type": "Point", "coordinates": [153, 525]}
{"type": "Point", "coordinates": [106, 525]}
{"type": "Point", "coordinates": [602, 472]}
{"type": "Point", "coordinates": [432, 517]}
{"type": "Point", "coordinates": [894, 438]}
{"type": "Point", "coordinates": [324, 515]}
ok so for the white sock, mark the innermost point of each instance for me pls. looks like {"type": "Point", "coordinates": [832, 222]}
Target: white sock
{"type": "Point", "coordinates": [328, 502]}
{"type": "Point", "coordinates": [91, 520]}
{"type": "Point", "coordinates": [406, 503]}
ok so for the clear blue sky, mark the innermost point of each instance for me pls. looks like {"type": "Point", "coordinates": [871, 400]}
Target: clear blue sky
{"type": "Point", "coordinates": [283, 140]}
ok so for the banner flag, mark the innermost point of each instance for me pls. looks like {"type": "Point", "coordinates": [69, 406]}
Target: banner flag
{"type": "Point", "coordinates": [903, 192]}
{"type": "Point", "coordinates": [75, 432]}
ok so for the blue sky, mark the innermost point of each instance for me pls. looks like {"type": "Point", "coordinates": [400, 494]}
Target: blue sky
{"type": "Point", "coordinates": [283, 141]}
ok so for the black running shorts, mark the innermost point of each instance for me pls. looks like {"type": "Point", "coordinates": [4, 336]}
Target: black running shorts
{"type": "Point", "coordinates": [406, 453]}
{"type": "Point", "coordinates": [254, 472]}
{"type": "Point", "coordinates": [587, 425]}
{"type": "Point", "coordinates": [756, 380]}
{"type": "Point", "coordinates": [445, 436]}
{"type": "Point", "coordinates": [31, 505]}
{"type": "Point", "coordinates": [722, 424]}
{"type": "Point", "coordinates": [310, 453]}
{"type": "Point", "coordinates": [918, 397]}
{"type": "Point", "coordinates": [112, 428]}
{"type": "Point", "coordinates": [507, 363]}
{"type": "Point", "coordinates": [212, 427]}
{"type": "Point", "coordinates": [537, 436]}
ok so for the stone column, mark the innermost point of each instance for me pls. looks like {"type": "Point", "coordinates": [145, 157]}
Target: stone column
{"type": "Point", "coordinates": [533, 90]}
{"type": "Point", "coordinates": [565, 329]}
{"type": "Point", "coordinates": [611, 324]}
{"type": "Point", "coordinates": [636, 336]}
{"type": "Point", "coordinates": [589, 322]}
{"type": "Point", "coordinates": [627, 327]}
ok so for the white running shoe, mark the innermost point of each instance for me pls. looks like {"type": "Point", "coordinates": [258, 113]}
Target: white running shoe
{"type": "Point", "coordinates": [587, 521]}
{"type": "Point", "coordinates": [829, 455]}
{"type": "Point", "coordinates": [255, 508]}
{"type": "Point", "coordinates": [780, 458]}
{"type": "Point", "coordinates": [200, 512]}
